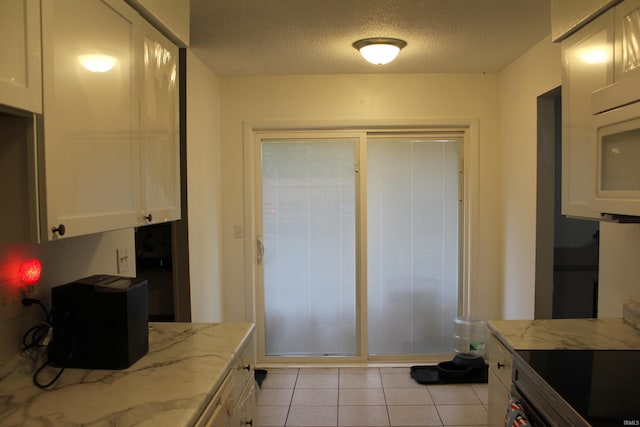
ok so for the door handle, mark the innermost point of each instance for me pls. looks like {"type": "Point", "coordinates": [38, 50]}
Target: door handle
{"type": "Point", "coordinates": [260, 249]}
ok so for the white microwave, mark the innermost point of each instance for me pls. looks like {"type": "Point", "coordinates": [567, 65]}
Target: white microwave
{"type": "Point", "coordinates": [617, 179]}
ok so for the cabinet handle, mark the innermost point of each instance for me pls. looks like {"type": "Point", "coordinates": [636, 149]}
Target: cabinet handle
{"type": "Point", "coordinates": [148, 217]}
{"type": "Point", "coordinates": [60, 229]}
{"type": "Point", "coordinates": [499, 365]}
{"type": "Point", "coordinates": [247, 367]}
{"type": "Point", "coordinates": [247, 423]}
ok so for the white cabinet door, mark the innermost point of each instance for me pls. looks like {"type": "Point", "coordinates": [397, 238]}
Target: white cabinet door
{"type": "Point", "coordinates": [171, 16]}
{"type": "Point", "coordinates": [159, 128]}
{"type": "Point", "coordinates": [498, 401]}
{"type": "Point", "coordinates": [20, 68]}
{"type": "Point", "coordinates": [587, 66]}
{"type": "Point", "coordinates": [92, 160]}
{"type": "Point", "coordinates": [627, 48]}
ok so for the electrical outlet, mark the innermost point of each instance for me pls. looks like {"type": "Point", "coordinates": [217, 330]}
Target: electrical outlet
{"type": "Point", "coordinates": [122, 255]}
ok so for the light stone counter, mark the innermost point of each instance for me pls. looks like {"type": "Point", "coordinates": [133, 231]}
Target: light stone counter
{"type": "Point", "coordinates": [567, 334]}
{"type": "Point", "coordinates": [169, 386]}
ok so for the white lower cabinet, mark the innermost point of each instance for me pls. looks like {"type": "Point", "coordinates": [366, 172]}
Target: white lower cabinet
{"type": "Point", "coordinates": [500, 371]}
{"type": "Point", "coordinates": [234, 403]}
{"type": "Point", "coordinates": [217, 413]}
{"type": "Point", "coordinates": [246, 412]}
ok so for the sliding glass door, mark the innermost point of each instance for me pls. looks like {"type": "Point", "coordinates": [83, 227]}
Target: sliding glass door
{"type": "Point", "coordinates": [308, 229]}
{"type": "Point", "coordinates": [358, 244]}
{"type": "Point", "coordinates": [412, 244]}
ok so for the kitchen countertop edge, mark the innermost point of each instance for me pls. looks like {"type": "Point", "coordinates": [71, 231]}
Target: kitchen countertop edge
{"type": "Point", "coordinates": [567, 334]}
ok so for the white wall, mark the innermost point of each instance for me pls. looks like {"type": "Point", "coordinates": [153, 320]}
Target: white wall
{"type": "Point", "coordinates": [358, 97]}
{"type": "Point", "coordinates": [204, 191]}
{"type": "Point", "coordinates": [531, 75]}
{"type": "Point", "coordinates": [62, 261]}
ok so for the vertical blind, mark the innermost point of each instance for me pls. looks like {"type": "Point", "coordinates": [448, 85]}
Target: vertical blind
{"type": "Point", "coordinates": [412, 245]}
{"type": "Point", "coordinates": [309, 232]}
{"type": "Point", "coordinates": [308, 191]}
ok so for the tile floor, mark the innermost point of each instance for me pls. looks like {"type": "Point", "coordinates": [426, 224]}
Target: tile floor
{"type": "Point", "coordinates": [365, 397]}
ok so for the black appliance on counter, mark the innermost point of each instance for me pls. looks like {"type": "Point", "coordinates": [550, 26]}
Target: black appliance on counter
{"type": "Point", "coordinates": [99, 322]}
{"type": "Point", "coordinates": [597, 388]}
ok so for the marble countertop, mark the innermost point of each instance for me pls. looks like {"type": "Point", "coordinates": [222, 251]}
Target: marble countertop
{"type": "Point", "coordinates": [169, 386]}
{"type": "Point", "coordinates": [567, 334]}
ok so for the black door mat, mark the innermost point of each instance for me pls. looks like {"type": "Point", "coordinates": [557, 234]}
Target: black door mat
{"type": "Point", "coordinates": [431, 375]}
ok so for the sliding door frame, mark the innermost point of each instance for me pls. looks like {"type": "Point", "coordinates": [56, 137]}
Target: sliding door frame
{"type": "Point", "coordinates": [468, 294]}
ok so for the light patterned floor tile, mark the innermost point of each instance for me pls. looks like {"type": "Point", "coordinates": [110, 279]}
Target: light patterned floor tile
{"type": "Point", "coordinates": [312, 416]}
{"type": "Point", "coordinates": [425, 415]}
{"type": "Point", "coordinates": [279, 381]}
{"type": "Point", "coordinates": [358, 396]}
{"type": "Point", "coordinates": [458, 394]}
{"type": "Point", "coordinates": [360, 380]}
{"type": "Point", "coordinates": [315, 397]}
{"type": "Point", "coordinates": [366, 397]}
{"type": "Point", "coordinates": [398, 380]}
{"type": "Point", "coordinates": [462, 415]}
{"type": "Point", "coordinates": [274, 396]}
{"type": "Point", "coordinates": [363, 416]}
{"type": "Point", "coordinates": [482, 391]}
{"type": "Point", "coordinates": [317, 380]}
{"type": "Point", "coordinates": [272, 416]}
{"type": "Point", "coordinates": [407, 396]}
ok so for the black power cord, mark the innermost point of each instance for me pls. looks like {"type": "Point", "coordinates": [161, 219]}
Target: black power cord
{"type": "Point", "coordinates": [38, 337]}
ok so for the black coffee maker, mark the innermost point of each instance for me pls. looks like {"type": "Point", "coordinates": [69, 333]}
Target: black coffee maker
{"type": "Point", "coordinates": [99, 322]}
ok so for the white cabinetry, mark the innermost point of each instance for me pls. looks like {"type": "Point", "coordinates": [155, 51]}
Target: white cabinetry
{"type": "Point", "coordinates": [171, 16]}
{"type": "Point", "coordinates": [159, 134]}
{"type": "Point", "coordinates": [110, 119]}
{"type": "Point", "coordinates": [569, 16]}
{"type": "Point", "coordinates": [587, 59]}
{"type": "Point", "coordinates": [500, 371]}
{"type": "Point", "coordinates": [20, 68]}
{"type": "Point", "coordinates": [234, 403]}
{"type": "Point", "coordinates": [627, 49]}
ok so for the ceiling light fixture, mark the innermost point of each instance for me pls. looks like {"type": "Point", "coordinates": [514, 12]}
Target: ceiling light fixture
{"type": "Point", "coordinates": [379, 50]}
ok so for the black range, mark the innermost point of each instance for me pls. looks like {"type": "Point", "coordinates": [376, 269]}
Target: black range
{"type": "Point", "coordinates": [598, 388]}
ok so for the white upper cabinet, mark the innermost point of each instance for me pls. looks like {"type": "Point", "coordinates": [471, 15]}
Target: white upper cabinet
{"type": "Point", "coordinates": [91, 153]}
{"type": "Point", "coordinates": [110, 119]}
{"type": "Point", "coordinates": [20, 69]}
{"type": "Point", "coordinates": [587, 57]}
{"type": "Point", "coordinates": [170, 16]}
{"type": "Point", "coordinates": [159, 127]}
{"type": "Point", "coordinates": [627, 54]}
{"type": "Point", "coordinates": [568, 16]}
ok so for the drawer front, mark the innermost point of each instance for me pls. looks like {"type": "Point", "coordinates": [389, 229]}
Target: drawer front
{"type": "Point", "coordinates": [500, 360]}
{"type": "Point", "coordinates": [243, 369]}
{"type": "Point", "coordinates": [498, 401]}
{"type": "Point", "coordinates": [246, 409]}
{"type": "Point", "coordinates": [217, 413]}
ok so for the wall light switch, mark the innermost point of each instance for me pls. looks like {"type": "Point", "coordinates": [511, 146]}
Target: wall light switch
{"type": "Point", "coordinates": [123, 260]}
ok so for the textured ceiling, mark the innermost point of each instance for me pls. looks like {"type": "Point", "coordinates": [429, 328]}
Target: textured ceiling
{"type": "Point", "coordinates": [241, 37]}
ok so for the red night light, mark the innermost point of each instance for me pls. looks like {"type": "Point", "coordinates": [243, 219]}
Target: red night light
{"type": "Point", "coordinates": [30, 271]}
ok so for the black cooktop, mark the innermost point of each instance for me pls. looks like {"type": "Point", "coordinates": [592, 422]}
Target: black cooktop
{"type": "Point", "coordinates": [603, 386]}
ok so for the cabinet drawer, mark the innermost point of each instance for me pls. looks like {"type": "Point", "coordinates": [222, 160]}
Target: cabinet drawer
{"type": "Point", "coordinates": [243, 369]}
{"type": "Point", "coordinates": [245, 413]}
{"type": "Point", "coordinates": [500, 360]}
{"type": "Point", "coordinates": [218, 413]}
{"type": "Point", "coordinates": [498, 401]}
